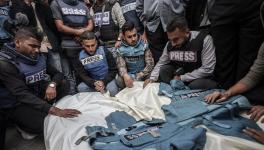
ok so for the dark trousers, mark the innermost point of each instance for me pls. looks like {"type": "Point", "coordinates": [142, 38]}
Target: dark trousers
{"type": "Point", "coordinates": [167, 74]}
{"type": "Point", "coordinates": [72, 54]}
{"type": "Point", "coordinates": [237, 34]}
{"type": "Point", "coordinates": [157, 41]}
{"type": "Point", "coordinates": [25, 117]}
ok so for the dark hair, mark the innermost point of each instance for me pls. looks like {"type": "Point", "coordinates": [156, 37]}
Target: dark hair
{"type": "Point", "coordinates": [181, 24]}
{"type": "Point", "coordinates": [87, 35]}
{"type": "Point", "coordinates": [128, 26]}
{"type": "Point", "coordinates": [26, 32]}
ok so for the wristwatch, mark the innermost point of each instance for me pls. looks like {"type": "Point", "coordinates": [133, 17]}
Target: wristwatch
{"type": "Point", "coordinates": [118, 39]}
{"type": "Point", "coordinates": [52, 85]}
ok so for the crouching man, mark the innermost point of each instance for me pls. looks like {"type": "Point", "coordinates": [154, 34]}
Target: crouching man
{"type": "Point", "coordinates": [189, 56]}
{"type": "Point", "coordinates": [28, 86]}
{"type": "Point", "coordinates": [96, 66]}
{"type": "Point", "coordinates": [134, 58]}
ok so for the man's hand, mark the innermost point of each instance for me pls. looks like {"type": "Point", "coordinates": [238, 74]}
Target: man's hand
{"type": "Point", "coordinates": [144, 37]}
{"type": "Point", "coordinates": [258, 135]}
{"type": "Point", "coordinates": [256, 113]}
{"type": "Point", "coordinates": [217, 97]}
{"type": "Point", "coordinates": [177, 77]}
{"type": "Point", "coordinates": [139, 76]}
{"type": "Point", "coordinates": [128, 81]}
{"type": "Point", "coordinates": [118, 44]}
{"type": "Point", "coordinates": [21, 19]}
{"type": "Point", "coordinates": [99, 86]}
{"type": "Point", "coordinates": [50, 93]}
{"type": "Point", "coordinates": [146, 82]}
{"type": "Point", "coordinates": [80, 31]}
{"type": "Point", "coordinates": [65, 113]}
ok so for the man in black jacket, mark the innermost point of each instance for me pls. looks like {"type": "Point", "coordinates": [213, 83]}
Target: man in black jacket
{"type": "Point", "coordinates": [237, 33]}
{"type": "Point", "coordinates": [28, 85]}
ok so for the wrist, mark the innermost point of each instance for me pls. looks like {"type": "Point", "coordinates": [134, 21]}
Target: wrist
{"type": "Point", "coordinates": [52, 110]}
{"type": "Point", "coordinates": [52, 84]}
{"type": "Point", "coordinates": [228, 93]}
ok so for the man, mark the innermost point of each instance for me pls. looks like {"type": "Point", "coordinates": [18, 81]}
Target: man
{"type": "Point", "coordinates": [188, 56]}
{"type": "Point", "coordinates": [27, 85]}
{"type": "Point", "coordinates": [155, 16]}
{"type": "Point", "coordinates": [96, 66]}
{"type": "Point", "coordinates": [134, 59]}
{"type": "Point", "coordinates": [72, 18]}
{"type": "Point", "coordinates": [109, 20]}
{"type": "Point", "coordinates": [130, 14]}
{"type": "Point", "coordinates": [252, 86]}
{"type": "Point", "coordinates": [237, 33]}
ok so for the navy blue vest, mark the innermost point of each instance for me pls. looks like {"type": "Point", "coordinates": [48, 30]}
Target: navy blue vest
{"type": "Point", "coordinates": [189, 55]}
{"type": "Point", "coordinates": [134, 56]}
{"type": "Point", "coordinates": [108, 30]}
{"type": "Point", "coordinates": [73, 15]}
{"type": "Point", "coordinates": [96, 65]}
{"type": "Point", "coordinates": [3, 17]}
{"type": "Point", "coordinates": [34, 73]}
{"type": "Point", "coordinates": [130, 14]}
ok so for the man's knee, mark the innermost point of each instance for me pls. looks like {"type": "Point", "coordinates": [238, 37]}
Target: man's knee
{"type": "Point", "coordinates": [166, 73]}
{"type": "Point", "coordinates": [112, 88]}
{"type": "Point", "coordinates": [120, 82]}
{"type": "Point", "coordinates": [203, 84]}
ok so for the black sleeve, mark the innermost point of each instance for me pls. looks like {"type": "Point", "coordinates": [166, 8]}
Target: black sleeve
{"type": "Point", "coordinates": [82, 73]}
{"type": "Point", "coordinates": [112, 68]}
{"type": "Point", "coordinates": [10, 78]}
{"type": "Point", "coordinates": [56, 76]}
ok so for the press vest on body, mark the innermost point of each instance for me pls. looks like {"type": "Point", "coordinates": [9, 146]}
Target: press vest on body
{"type": "Point", "coordinates": [96, 65]}
{"type": "Point", "coordinates": [134, 57]}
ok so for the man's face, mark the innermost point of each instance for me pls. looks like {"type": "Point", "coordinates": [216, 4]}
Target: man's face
{"type": "Point", "coordinates": [131, 37]}
{"type": "Point", "coordinates": [178, 37]}
{"type": "Point", "coordinates": [90, 46]}
{"type": "Point", "coordinates": [28, 47]}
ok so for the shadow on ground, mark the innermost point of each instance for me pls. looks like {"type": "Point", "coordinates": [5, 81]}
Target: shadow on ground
{"type": "Point", "coordinates": [14, 141]}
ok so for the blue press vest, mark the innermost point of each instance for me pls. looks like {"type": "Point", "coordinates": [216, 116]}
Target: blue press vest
{"type": "Point", "coordinates": [96, 65]}
{"type": "Point", "coordinates": [32, 73]}
{"type": "Point", "coordinates": [130, 14]}
{"type": "Point", "coordinates": [153, 135]}
{"type": "Point", "coordinates": [134, 57]}
{"type": "Point", "coordinates": [3, 16]}
{"type": "Point", "coordinates": [73, 15]}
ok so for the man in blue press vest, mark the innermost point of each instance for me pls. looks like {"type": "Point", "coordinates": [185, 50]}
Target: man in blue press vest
{"type": "Point", "coordinates": [28, 86]}
{"type": "Point", "coordinates": [96, 66]}
{"type": "Point", "coordinates": [72, 18]}
{"type": "Point", "coordinates": [134, 58]}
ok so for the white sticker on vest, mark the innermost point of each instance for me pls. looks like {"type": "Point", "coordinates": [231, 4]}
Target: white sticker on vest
{"type": "Point", "coordinates": [184, 56]}
{"type": "Point", "coordinates": [92, 59]}
{"type": "Point", "coordinates": [71, 11]}
{"type": "Point", "coordinates": [36, 77]}
{"type": "Point", "coordinates": [3, 12]}
{"type": "Point", "coordinates": [105, 21]}
{"type": "Point", "coordinates": [129, 7]}
{"type": "Point", "coordinates": [190, 95]}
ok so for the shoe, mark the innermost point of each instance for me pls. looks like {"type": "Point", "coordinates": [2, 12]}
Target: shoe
{"type": "Point", "coordinates": [25, 135]}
